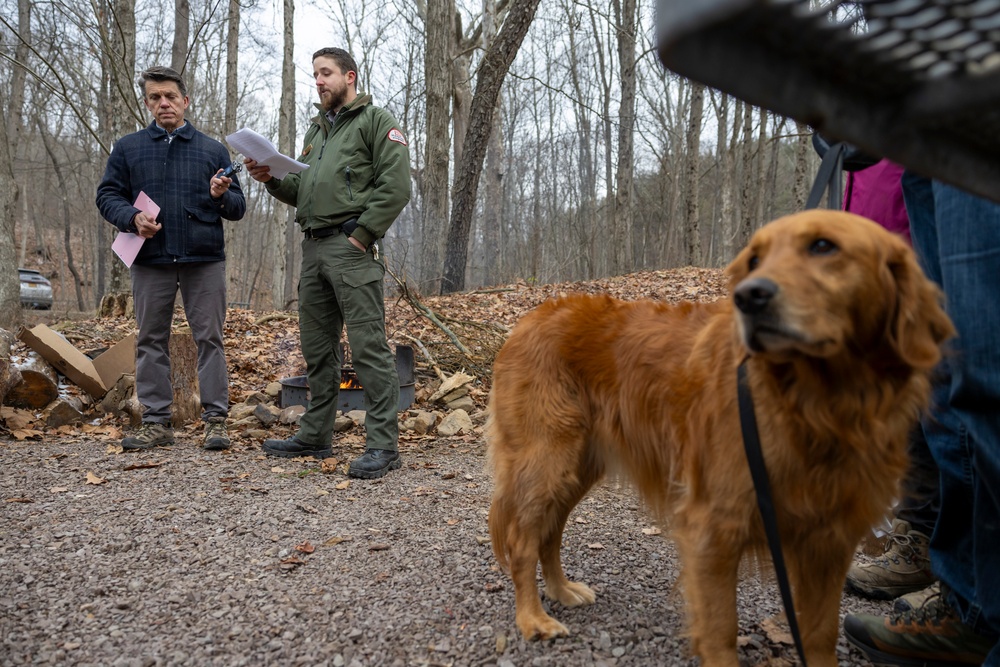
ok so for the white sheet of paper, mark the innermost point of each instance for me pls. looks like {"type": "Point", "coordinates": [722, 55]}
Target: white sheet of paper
{"type": "Point", "coordinates": [259, 148]}
{"type": "Point", "coordinates": [127, 245]}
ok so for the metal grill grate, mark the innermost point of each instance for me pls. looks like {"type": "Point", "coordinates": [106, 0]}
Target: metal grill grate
{"type": "Point", "coordinates": [917, 81]}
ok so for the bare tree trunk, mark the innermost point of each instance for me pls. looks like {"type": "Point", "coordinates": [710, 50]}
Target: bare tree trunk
{"type": "Point", "coordinates": [434, 180]}
{"type": "Point", "coordinates": [67, 217]}
{"type": "Point", "coordinates": [122, 66]}
{"type": "Point", "coordinates": [10, 287]}
{"type": "Point", "coordinates": [492, 71]}
{"type": "Point", "coordinates": [626, 20]}
{"type": "Point", "coordinates": [492, 213]}
{"type": "Point", "coordinates": [800, 182]}
{"type": "Point", "coordinates": [229, 119]}
{"type": "Point", "coordinates": [727, 222]}
{"type": "Point", "coordinates": [747, 161]}
{"type": "Point", "coordinates": [587, 205]}
{"type": "Point", "coordinates": [692, 191]}
{"type": "Point", "coordinates": [182, 30]}
{"type": "Point", "coordinates": [284, 272]}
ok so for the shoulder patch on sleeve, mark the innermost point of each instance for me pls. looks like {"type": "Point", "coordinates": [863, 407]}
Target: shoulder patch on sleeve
{"type": "Point", "coordinates": [397, 136]}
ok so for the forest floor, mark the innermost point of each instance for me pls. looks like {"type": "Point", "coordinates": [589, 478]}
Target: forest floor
{"type": "Point", "coordinates": [179, 556]}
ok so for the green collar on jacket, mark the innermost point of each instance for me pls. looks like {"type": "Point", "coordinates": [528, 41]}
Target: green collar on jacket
{"type": "Point", "coordinates": [358, 103]}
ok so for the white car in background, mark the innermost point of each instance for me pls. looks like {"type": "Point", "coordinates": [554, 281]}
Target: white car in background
{"type": "Point", "coordinates": [36, 290]}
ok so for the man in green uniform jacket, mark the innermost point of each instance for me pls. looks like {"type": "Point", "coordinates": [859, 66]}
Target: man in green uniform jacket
{"type": "Point", "coordinates": [357, 183]}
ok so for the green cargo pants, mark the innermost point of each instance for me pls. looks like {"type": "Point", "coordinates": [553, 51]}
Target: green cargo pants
{"type": "Point", "coordinates": [342, 286]}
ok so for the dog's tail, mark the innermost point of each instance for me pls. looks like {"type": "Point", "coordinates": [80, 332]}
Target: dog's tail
{"type": "Point", "coordinates": [499, 521]}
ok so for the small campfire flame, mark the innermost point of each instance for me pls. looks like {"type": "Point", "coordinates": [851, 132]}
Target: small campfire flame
{"type": "Point", "coordinates": [349, 379]}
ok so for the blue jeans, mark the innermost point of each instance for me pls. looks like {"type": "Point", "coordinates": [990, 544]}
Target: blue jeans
{"type": "Point", "coordinates": [957, 238]}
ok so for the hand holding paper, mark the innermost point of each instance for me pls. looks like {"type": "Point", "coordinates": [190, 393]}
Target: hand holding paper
{"type": "Point", "coordinates": [257, 147]}
{"type": "Point", "coordinates": [127, 245]}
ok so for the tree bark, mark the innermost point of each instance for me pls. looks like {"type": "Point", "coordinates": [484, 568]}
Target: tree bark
{"type": "Point", "coordinates": [692, 191]}
{"type": "Point", "coordinates": [9, 374]}
{"type": "Point", "coordinates": [10, 285]}
{"type": "Point", "coordinates": [626, 20]}
{"type": "Point", "coordinates": [283, 274]}
{"type": "Point", "coordinates": [122, 65]}
{"type": "Point", "coordinates": [492, 72]}
{"type": "Point", "coordinates": [434, 180]}
{"type": "Point", "coordinates": [182, 31]}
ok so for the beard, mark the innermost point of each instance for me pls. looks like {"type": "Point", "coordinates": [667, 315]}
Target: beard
{"type": "Point", "coordinates": [334, 99]}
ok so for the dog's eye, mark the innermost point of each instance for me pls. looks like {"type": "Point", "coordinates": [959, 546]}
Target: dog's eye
{"type": "Point", "coordinates": [753, 263]}
{"type": "Point", "coordinates": [822, 247]}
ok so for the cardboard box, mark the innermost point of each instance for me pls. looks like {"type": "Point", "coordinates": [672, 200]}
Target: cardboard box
{"type": "Point", "coordinates": [117, 360]}
{"type": "Point", "coordinates": [95, 377]}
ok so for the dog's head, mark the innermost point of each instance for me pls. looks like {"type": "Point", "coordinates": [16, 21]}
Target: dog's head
{"type": "Point", "coordinates": [821, 283]}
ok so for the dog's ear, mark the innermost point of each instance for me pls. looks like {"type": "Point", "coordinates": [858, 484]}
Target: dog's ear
{"type": "Point", "coordinates": [919, 324]}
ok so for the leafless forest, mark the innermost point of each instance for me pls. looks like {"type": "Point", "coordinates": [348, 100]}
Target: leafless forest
{"type": "Point", "coordinates": [547, 141]}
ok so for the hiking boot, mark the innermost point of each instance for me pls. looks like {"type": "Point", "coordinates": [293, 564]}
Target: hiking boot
{"type": "Point", "coordinates": [149, 435]}
{"type": "Point", "coordinates": [216, 435]}
{"type": "Point", "coordinates": [374, 463]}
{"type": "Point", "coordinates": [932, 635]}
{"type": "Point", "coordinates": [916, 600]}
{"type": "Point", "coordinates": [905, 566]}
{"type": "Point", "coordinates": [289, 449]}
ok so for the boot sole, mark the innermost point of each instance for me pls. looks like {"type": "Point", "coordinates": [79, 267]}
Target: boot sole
{"type": "Point", "coordinates": [316, 454]}
{"type": "Point", "coordinates": [375, 474]}
{"type": "Point", "coordinates": [885, 593]}
{"type": "Point", "coordinates": [216, 447]}
{"type": "Point", "coordinates": [137, 447]}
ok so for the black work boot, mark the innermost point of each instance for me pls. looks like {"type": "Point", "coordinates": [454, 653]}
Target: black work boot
{"type": "Point", "coordinates": [374, 463]}
{"type": "Point", "coordinates": [293, 447]}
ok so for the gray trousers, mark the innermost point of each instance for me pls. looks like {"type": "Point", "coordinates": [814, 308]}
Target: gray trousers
{"type": "Point", "coordinates": [203, 293]}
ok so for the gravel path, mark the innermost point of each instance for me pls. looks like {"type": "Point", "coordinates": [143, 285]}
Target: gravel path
{"type": "Point", "coordinates": [183, 557]}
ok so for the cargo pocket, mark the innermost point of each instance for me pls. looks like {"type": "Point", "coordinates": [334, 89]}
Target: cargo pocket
{"type": "Point", "coordinates": [362, 297]}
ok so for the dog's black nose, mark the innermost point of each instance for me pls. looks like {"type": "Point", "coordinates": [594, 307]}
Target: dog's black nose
{"type": "Point", "coordinates": [752, 295]}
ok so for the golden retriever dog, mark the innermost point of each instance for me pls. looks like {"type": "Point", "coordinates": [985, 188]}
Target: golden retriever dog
{"type": "Point", "coordinates": [840, 330]}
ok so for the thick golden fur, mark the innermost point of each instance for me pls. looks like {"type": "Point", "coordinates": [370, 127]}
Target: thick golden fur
{"type": "Point", "coordinates": [840, 351]}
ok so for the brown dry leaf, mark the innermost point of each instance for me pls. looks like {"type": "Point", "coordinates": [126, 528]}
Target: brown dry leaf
{"type": "Point", "coordinates": [596, 545]}
{"type": "Point", "coordinates": [493, 586]}
{"type": "Point", "coordinates": [58, 489]}
{"type": "Point", "coordinates": [26, 433]}
{"type": "Point", "coordinates": [18, 500]}
{"type": "Point", "coordinates": [140, 466]}
{"type": "Point", "coordinates": [452, 522]}
{"type": "Point", "coordinates": [343, 485]}
{"type": "Point", "coordinates": [580, 519]}
{"type": "Point", "coordinates": [776, 630]}
{"type": "Point", "coordinates": [293, 560]}
{"type": "Point", "coordinates": [651, 531]}
{"type": "Point", "coordinates": [305, 547]}
{"type": "Point", "coordinates": [114, 448]}
{"type": "Point", "coordinates": [94, 479]}
{"type": "Point", "coordinates": [333, 541]}
{"type": "Point", "coordinates": [378, 547]}
{"type": "Point", "coordinates": [16, 418]}
{"type": "Point", "coordinates": [277, 469]}
{"type": "Point", "coordinates": [328, 465]}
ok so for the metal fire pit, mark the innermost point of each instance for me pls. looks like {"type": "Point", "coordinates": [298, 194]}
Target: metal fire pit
{"type": "Point", "coordinates": [295, 390]}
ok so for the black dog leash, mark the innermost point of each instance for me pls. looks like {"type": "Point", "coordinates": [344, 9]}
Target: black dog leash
{"type": "Point", "coordinates": [765, 503]}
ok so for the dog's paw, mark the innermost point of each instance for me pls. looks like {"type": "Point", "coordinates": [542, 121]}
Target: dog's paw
{"type": "Point", "coordinates": [541, 627]}
{"type": "Point", "coordinates": [571, 594]}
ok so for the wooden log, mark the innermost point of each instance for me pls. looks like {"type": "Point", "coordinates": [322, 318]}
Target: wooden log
{"type": "Point", "coordinates": [184, 379]}
{"type": "Point", "coordinates": [9, 374]}
{"type": "Point", "coordinates": [38, 387]}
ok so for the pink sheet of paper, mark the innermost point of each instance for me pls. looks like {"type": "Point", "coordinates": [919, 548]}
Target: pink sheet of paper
{"type": "Point", "coordinates": [127, 245]}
